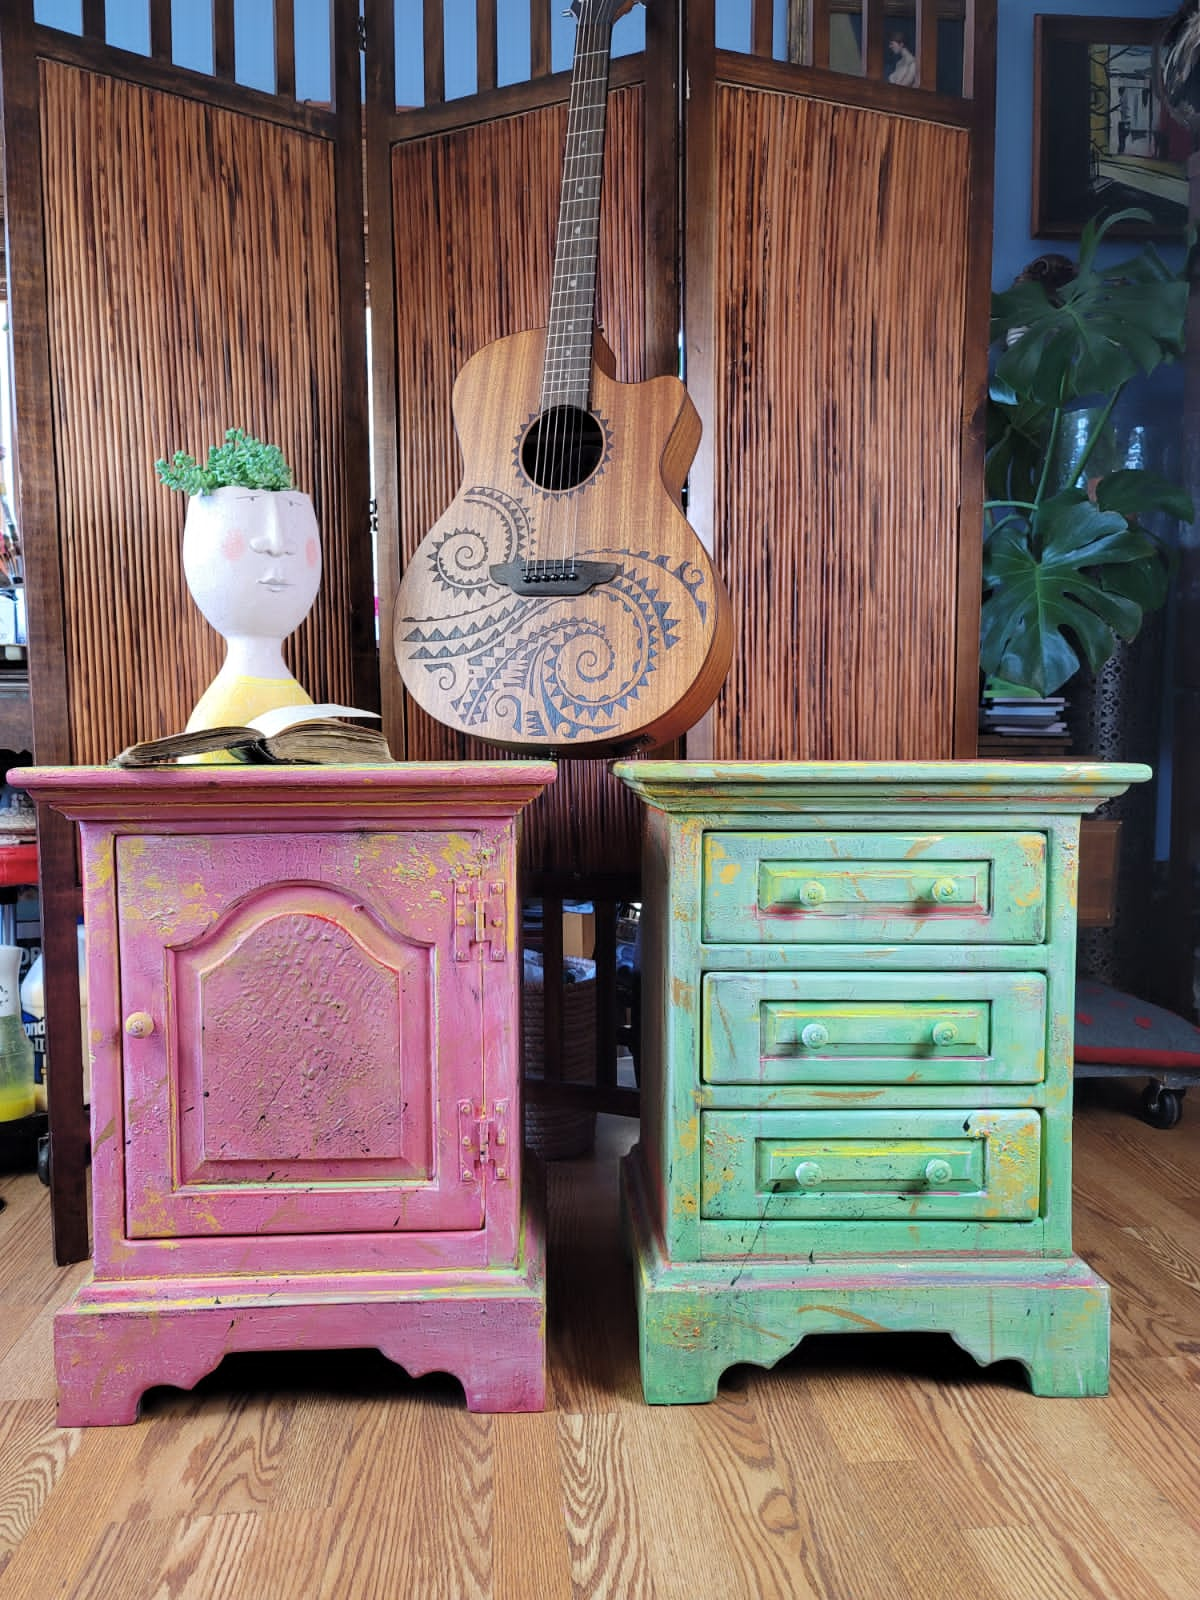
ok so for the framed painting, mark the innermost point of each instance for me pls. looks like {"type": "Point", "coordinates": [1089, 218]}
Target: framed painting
{"type": "Point", "coordinates": [1103, 138]}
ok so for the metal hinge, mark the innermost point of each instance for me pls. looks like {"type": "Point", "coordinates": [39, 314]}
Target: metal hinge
{"type": "Point", "coordinates": [480, 917]}
{"type": "Point", "coordinates": [362, 34]}
{"type": "Point", "coordinates": [483, 1140]}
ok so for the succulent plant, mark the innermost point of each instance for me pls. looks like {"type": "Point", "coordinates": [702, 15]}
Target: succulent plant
{"type": "Point", "coordinates": [242, 461]}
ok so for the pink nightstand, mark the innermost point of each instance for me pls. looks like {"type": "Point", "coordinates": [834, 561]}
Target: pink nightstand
{"type": "Point", "coordinates": [303, 987]}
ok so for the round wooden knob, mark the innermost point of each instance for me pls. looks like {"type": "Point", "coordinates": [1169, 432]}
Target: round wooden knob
{"type": "Point", "coordinates": [937, 1171]}
{"type": "Point", "coordinates": [139, 1024]}
{"type": "Point", "coordinates": [808, 1173]}
{"type": "Point", "coordinates": [942, 890]}
{"type": "Point", "coordinates": [813, 1035]}
{"type": "Point", "coordinates": [944, 1033]}
{"type": "Point", "coordinates": [813, 894]}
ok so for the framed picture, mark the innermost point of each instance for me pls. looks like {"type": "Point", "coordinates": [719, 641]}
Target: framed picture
{"type": "Point", "coordinates": [1103, 138]}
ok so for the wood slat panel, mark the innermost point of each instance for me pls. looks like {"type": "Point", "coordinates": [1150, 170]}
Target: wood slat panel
{"type": "Point", "coordinates": [839, 278]}
{"type": "Point", "coordinates": [455, 197]}
{"type": "Point", "coordinates": [177, 310]}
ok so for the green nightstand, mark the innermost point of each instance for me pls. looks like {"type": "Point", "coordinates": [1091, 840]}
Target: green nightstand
{"type": "Point", "coordinates": [856, 1081]}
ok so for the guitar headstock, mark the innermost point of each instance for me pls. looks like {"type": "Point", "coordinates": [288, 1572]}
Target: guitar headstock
{"type": "Point", "coordinates": [600, 10]}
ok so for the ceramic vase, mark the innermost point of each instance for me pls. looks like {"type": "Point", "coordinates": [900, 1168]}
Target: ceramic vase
{"type": "Point", "coordinates": [252, 560]}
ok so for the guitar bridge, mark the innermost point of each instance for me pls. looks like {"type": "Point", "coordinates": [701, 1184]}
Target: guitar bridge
{"type": "Point", "coordinates": [546, 578]}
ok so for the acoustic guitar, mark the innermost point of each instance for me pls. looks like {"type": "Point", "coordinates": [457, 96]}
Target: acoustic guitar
{"type": "Point", "coordinates": [562, 603]}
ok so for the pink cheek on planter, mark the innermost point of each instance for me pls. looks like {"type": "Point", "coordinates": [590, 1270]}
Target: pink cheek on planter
{"type": "Point", "coordinates": [312, 554]}
{"type": "Point", "coordinates": [233, 545]}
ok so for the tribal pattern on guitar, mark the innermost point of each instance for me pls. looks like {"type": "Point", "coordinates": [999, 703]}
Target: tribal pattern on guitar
{"type": "Point", "coordinates": [543, 668]}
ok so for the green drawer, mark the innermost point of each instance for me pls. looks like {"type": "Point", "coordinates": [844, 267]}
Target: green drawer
{"type": "Point", "coordinates": [877, 888]}
{"type": "Point", "coordinates": [869, 1166]}
{"type": "Point", "coordinates": [878, 1028]}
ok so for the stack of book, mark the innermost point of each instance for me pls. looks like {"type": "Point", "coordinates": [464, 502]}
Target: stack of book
{"type": "Point", "coordinates": [1022, 725]}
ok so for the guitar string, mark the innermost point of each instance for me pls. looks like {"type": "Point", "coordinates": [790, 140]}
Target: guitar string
{"type": "Point", "coordinates": [570, 345]}
{"type": "Point", "coordinates": [544, 454]}
{"type": "Point", "coordinates": [569, 353]}
{"type": "Point", "coordinates": [584, 306]}
{"type": "Point", "coordinates": [546, 419]}
{"type": "Point", "coordinates": [554, 334]}
{"type": "Point", "coordinates": [566, 348]}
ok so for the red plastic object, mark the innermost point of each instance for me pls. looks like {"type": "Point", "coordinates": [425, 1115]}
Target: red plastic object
{"type": "Point", "coordinates": [18, 864]}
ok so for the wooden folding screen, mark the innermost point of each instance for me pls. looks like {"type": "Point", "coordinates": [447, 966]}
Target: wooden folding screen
{"type": "Point", "coordinates": [836, 267]}
{"type": "Point", "coordinates": [203, 264]}
{"type": "Point", "coordinates": [186, 256]}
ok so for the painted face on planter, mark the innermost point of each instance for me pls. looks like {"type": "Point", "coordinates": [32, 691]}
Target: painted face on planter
{"type": "Point", "coordinates": [252, 560]}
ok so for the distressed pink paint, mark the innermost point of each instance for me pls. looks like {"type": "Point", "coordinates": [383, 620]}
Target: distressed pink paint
{"type": "Point", "coordinates": [305, 1110]}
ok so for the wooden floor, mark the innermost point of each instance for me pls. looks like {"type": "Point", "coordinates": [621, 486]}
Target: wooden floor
{"type": "Point", "coordinates": [861, 1468]}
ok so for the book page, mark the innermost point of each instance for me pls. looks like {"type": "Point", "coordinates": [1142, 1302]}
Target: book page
{"type": "Point", "coordinates": [280, 717]}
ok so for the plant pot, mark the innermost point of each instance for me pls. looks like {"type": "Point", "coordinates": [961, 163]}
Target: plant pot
{"type": "Point", "coordinates": [1113, 716]}
{"type": "Point", "coordinates": [252, 560]}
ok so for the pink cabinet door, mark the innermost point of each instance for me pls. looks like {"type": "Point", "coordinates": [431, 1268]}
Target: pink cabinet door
{"type": "Point", "coordinates": [300, 1027]}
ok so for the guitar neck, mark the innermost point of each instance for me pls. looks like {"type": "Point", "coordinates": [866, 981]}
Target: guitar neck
{"type": "Point", "coordinates": [567, 369]}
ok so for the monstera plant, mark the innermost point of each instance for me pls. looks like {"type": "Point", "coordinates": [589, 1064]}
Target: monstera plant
{"type": "Point", "coordinates": [1069, 564]}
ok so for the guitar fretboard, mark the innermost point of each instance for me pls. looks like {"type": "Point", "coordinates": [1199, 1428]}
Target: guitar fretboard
{"type": "Point", "coordinates": [566, 374]}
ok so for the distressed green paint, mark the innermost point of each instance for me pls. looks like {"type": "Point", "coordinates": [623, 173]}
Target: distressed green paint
{"type": "Point", "coordinates": [892, 1029]}
{"type": "Point", "coordinates": [858, 984]}
{"type": "Point", "coordinates": [789, 888]}
{"type": "Point", "coordinates": [871, 1166]}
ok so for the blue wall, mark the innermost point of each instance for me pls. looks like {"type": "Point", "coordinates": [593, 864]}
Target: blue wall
{"type": "Point", "coordinates": [1013, 247]}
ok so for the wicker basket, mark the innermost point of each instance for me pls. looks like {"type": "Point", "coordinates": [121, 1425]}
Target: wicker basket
{"type": "Point", "coordinates": [558, 1132]}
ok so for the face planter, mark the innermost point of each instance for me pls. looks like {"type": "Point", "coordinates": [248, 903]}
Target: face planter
{"type": "Point", "coordinates": [252, 560]}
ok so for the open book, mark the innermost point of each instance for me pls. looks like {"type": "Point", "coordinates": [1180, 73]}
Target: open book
{"type": "Point", "coordinates": [311, 735]}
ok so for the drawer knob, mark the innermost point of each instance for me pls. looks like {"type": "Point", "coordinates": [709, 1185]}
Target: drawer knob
{"type": "Point", "coordinates": [808, 1173]}
{"type": "Point", "coordinates": [813, 1035]}
{"type": "Point", "coordinates": [942, 889]}
{"type": "Point", "coordinates": [140, 1024]}
{"type": "Point", "coordinates": [813, 894]}
{"type": "Point", "coordinates": [938, 1171]}
{"type": "Point", "coordinates": [944, 1033]}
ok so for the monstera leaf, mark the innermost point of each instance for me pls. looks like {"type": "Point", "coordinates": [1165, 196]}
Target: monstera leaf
{"type": "Point", "coordinates": [1069, 567]}
{"type": "Point", "coordinates": [1054, 573]}
{"type": "Point", "coordinates": [1097, 331]}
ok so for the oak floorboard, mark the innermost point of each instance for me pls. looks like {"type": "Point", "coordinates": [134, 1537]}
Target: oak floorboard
{"type": "Point", "coordinates": [717, 1536]}
{"type": "Point", "coordinates": [27, 1366]}
{"type": "Point", "coordinates": [830, 1509]}
{"type": "Point", "coordinates": [923, 1539]}
{"type": "Point", "coordinates": [33, 1456]}
{"type": "Point", "coordinates": [1035, 1563]}
{"type": "Point", "coordinates": [861, 1467]}
{"type": "Point", "coordinates": [532, 1553]}
{"type": "Point", "coordinates": [758, 1496]}
{"type": "Point", "coordinates": [604, 1509]}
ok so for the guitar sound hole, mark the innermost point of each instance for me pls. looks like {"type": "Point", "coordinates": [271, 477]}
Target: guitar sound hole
{"type": "Point", "coordinates": [562, 448]}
